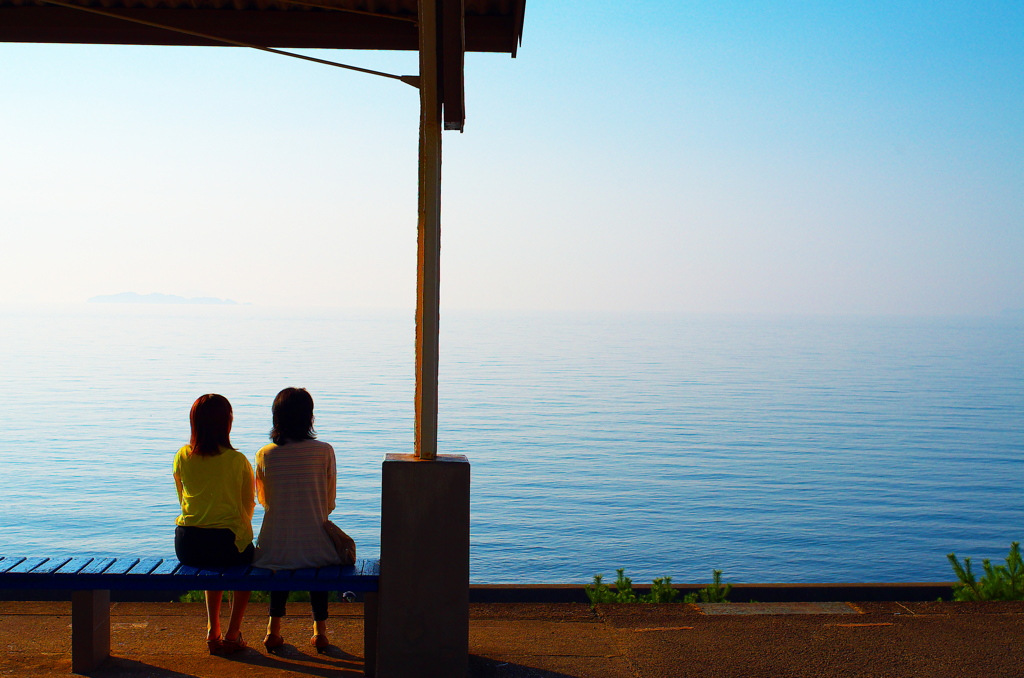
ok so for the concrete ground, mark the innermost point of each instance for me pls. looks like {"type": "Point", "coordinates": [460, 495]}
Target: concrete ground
{"type": "Point", "coordinates": [163, 640]}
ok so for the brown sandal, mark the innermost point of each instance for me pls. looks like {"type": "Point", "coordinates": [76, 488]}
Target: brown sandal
{"type": "Point", "coordinates": [273, 641]}
{"type": "Point", "coordinates": [214, 644]}
{"type": "Point", "coordinates": [320, 642]}
{"type": "Point", "coordinates": [229, 646]}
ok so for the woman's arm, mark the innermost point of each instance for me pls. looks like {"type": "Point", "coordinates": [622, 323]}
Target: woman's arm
{"type": "Point", "coordinates": [175, 465]}
{"type": "Point", "coordinates": [180, 488]}
{"type": "Point", "coordinates": [248, 500]}
{"type": "Point", "coordinates": [332, 481]}
{"type": "Point", "coordinates": [261, 479]}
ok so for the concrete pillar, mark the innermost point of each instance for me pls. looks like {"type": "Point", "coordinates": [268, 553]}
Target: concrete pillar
{"type": "Point", "coordinates": [90, 629]}
{"type": "Point", "coordinates": [423, 629]}
{"type": "Point", "coordinates": [370, 607]}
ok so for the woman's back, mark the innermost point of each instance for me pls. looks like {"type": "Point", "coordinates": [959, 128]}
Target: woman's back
{"type": "Point", "coordinates": [216, 490]}
{"type": "Point", "coordinates": [296, 484]}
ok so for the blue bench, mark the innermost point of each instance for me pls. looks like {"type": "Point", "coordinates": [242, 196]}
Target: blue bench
{"type": "Point", "coordinates": [92, 579]}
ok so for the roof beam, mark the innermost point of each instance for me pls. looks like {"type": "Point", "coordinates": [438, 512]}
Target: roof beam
{"type": "Point", "coordinates": [301, 28]}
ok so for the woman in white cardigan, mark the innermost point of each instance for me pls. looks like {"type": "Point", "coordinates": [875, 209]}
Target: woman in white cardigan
{"type": "Point", "coordinates": [296, 484]}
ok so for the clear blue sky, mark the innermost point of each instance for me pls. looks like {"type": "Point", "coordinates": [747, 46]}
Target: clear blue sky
{"type": "Point", "coordinates": [775, 156]}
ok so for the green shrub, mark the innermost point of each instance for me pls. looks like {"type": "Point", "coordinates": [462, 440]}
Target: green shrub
{"type": "Point", "coordinates": [599, 592]}
{"type": "Point", "coordinates": [661, 591]}
{"type": "Point", "coordinates": [712, 593]}
{"type": "Point", "coordinates": [1000, 582]}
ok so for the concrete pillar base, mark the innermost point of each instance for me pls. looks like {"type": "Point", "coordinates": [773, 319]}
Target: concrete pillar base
{"type": "Point", "coordinates": [423, 629]}
{"type": "Point", "coordinates": [370, 607]}
{"type": "Point", "coordinates": [90, 629]}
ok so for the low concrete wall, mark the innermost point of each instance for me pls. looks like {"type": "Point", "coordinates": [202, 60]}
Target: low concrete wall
{"type": "Point", "coordinates": [574, 593]}
{"type": "Point", "coordinates": [764, 593]}
{"type": "Point", "coordinates": [115, 596]}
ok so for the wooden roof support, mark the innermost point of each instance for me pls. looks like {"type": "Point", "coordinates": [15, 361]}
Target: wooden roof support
{"type": "Point", "coordinates": [428, 270]}
{"type": "Point", "coordinates": [453, 51]}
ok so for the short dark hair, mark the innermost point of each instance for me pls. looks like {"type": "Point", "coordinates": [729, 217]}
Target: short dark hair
{"type": "Point", "coordinates": [293, 416]}
{"type": "Point", "coordinates": [211, 425]}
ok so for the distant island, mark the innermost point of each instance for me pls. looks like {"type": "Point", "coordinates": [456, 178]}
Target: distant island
{"type": "Point", "coordinates": [156, 298]}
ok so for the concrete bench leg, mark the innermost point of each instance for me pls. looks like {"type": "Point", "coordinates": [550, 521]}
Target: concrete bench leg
{"type": "Point", "coordinates": [370, 633]}
{"type": "Point", "coordinates": [90, 629]}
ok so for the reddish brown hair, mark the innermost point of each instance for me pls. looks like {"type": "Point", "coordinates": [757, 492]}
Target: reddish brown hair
{"type": "Point", "coordinates": [211, 424]}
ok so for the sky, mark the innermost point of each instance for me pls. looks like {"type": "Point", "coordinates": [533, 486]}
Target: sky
{"type": "Point", "coordinates": [722, 157]}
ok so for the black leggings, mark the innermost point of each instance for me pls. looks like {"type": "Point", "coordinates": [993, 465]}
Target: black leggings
{"type": "Point", "coordinates": [317, 599]}
{"type": "Point", "coordinates": [209, 547]}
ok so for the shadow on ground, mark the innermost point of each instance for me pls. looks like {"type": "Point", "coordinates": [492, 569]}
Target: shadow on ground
{"type": "Point", "coordinates": [116, 667]}
{"type": "Point", "coordinates": [482, 667]}
{"type": "Point", "coordinates": [333, 662]}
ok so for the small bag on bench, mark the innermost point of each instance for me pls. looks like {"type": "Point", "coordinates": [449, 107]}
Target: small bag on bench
{"type": "Point", "coordinates": [343, 544]}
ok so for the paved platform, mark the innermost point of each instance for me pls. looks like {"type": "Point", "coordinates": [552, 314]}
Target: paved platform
{"type": "Point", "coordinates": [164, 640]}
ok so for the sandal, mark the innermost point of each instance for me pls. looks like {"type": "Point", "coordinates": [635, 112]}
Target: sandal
{"type": "Point", "coordinates": [215, 645]}
{"type": "Point", "coordinates": [273, 641]}
{"type": "Point", "coordinates": [229, 646]}
{"type": "Point", "coordinates": [320, 642]}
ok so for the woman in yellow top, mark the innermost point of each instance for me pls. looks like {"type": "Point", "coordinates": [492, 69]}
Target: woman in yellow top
{"type": "Point", "coordinates": [215, 490]}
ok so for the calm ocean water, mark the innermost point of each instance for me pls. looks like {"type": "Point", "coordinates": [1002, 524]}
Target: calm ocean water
{"type": "Point", "coordinates": [777, 449]}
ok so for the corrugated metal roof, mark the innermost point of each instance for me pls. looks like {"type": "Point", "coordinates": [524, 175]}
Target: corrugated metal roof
{"type": "Point", "coordinates": [490, 25]}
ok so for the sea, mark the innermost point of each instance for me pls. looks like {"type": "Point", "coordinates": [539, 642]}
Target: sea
{"type": "Point", "coordinates": [773, 448]}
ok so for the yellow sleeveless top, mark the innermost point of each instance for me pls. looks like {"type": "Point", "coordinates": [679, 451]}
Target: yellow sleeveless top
{"type": "Point", "coordinates": [216, 492]}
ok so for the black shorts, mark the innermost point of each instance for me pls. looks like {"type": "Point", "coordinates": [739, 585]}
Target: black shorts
{"type": "Point", "coordinates": [209, 547]}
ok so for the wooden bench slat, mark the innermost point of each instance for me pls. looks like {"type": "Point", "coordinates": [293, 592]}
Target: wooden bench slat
{"type": "Point", "coordinates": [120, 566]}
{"type": "Point", "coordinates": [9, 562]}
{"type": "Point", "coordinates": [51, 565]}
{"type": "Point", "coordinates": [305, 573]}
{"type": "Point", "coordinates": [145, 566]}
{"type": "Point", "coordinates": [237, 571]}
{"type": "Point", "coordinates": [329, 572]}
{"type": "Point", "coordinates": [98, 566]}
{"type": "Point", "coordinates": [371, 568]}
{"type": "Point", "coordinates": [74, 565]}
{"type": "Point", "coordinates": [166, 568]}
{"type": "Point", "coordinates": [27, 565]}
{"type": "Point", "coordinates": [261, 572]}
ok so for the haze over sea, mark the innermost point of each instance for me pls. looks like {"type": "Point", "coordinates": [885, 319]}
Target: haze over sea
{"type": "Point", "coordinates": [781, 449]}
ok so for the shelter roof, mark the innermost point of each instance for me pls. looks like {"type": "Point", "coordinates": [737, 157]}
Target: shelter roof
{"type": "Point", "coordinates": [489, 25]}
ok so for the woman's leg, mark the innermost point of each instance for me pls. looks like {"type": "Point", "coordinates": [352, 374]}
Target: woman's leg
{"type": "Point", "coordinates": [213, 614]}
{"type": "Point", "coordinates": [278, 605]}
{"type": "Point", "coordinates": [215, 547]}
{"type": "Point", "coordinates": [239, 601]}
{"type": "Point", "coordinates": [318, 601]}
